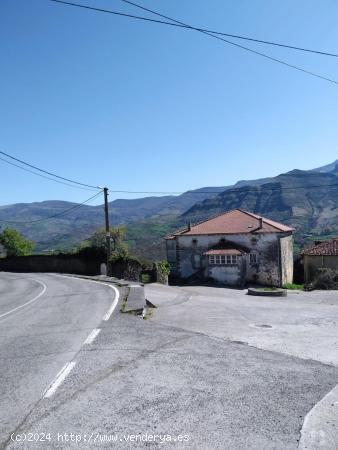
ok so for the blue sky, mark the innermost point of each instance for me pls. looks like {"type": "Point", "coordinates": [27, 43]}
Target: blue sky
{"type": "Point", "coordinates": [144, 107]}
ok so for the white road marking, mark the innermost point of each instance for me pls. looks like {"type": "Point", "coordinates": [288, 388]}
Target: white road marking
{"type": "Point", "coordinates": [115, 302]}
{"type": "Point", "coordinates": [92, 336]}
{"type": "Point", "coordinates": [59, 379]}
{"type": "Point", "coordinates": [116, 299]}
{"type": "Point", "coordinates": [30, 301]}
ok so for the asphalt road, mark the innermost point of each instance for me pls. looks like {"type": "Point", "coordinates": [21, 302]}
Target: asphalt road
{"type": "Point", "coordinates": [139, 378]}
{"type": "Point", "coordinates": [44, 320]}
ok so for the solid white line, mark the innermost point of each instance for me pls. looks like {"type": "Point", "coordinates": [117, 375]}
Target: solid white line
{"type": "Point", "coordinates": [115, 302]}
{"type": "Point", "coordinates": [30, 301]}
{"type": "Point", "coordinates": [92, 336]}
{"type": "Point", "coordinates": [59, 379]}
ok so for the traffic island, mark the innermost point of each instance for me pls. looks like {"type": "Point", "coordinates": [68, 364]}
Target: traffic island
{"type": "Point", "coordinates": [268, 292]}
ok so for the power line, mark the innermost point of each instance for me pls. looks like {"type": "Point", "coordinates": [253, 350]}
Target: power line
{"type": "Point", "coordinates": [48, 173]}
{"type": "Point", "coordinates": [183, 25]}
{"type": "Point", "coordinates": [209, 33]}
{"type": "Point", "coordinates": [236, 36]}
{"type": "Point", "coordinates": [235, 189]}
{"type": "Point", "coordinates": [44, 176]}
{"type": "Point", "coordinates": [73, 208]}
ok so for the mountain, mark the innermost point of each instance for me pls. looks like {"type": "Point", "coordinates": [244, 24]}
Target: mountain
{"type": "Point", "coordinates": [333, 167]}
{"type": "Point", "coordinates": [64, 231]}
{"type": "Point", "coordinates": [307, 200]}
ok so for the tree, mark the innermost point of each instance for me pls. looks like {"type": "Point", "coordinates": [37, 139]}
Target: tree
{"type": "Point", "coordinates": [14, 243]}
{"type": "Point", "coordinates": [97, 242]}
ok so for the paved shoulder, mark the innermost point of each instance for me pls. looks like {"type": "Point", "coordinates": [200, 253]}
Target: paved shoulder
{"type": "Point", "coordinates": [320, 428]}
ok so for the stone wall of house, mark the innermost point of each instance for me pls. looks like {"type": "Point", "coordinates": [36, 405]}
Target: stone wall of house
{"type": "Point", "coordinates": [190, 260]}
{"type": "Point", "coordinates": [314, 262]}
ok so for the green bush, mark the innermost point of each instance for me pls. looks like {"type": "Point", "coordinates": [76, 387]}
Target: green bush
{"type": "Point", "coordinates": [162, 271]}
{"type": "Point", "coordinates": [145, 278]}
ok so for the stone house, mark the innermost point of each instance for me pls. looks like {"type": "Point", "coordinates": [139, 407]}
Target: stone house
{"type": "Point", "coordinates": [233, 248]}
{"type": "Point", "coordinates": [321, 255]}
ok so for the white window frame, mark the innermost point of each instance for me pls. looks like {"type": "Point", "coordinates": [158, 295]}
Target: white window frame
{"type": "Point", "coordinates": [223, 260]}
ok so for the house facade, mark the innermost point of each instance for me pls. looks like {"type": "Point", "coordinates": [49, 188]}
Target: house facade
{"type": "Point", "coordinates": [233, 248]}
{"type": "Point", "coordinates": [323, 255]}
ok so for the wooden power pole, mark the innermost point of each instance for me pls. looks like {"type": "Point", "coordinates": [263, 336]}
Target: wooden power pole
{"type": "Point", "coordinates": [106, 216]}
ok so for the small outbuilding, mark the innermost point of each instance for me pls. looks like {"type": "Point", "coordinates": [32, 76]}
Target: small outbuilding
{"type": "Point", "coordinates": [233, 248]}
{"type": "Point", "coordinates": [322, 255]}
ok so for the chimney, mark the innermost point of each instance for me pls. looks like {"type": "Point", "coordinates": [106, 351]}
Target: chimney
{"type": "Point", "coordinates": [260, 223]}
{"type": "Point", "coordinates": [189, 226]}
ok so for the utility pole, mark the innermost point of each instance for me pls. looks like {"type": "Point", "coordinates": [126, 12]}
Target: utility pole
{"type": "Point", "coordinates": [106, 215]}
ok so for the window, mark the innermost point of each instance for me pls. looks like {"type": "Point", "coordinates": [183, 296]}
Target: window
{"type": "Point", "coordinates": [223, 259]}
{"type": "Point", "coordinates": [253, 258]}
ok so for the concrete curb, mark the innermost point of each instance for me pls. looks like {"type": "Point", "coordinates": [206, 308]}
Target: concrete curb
{"type": "Point", "coordinates": [262, 293]}
{"type": "Point", "coordinates": [103, 278]}
{"type": "Point", "coordinates": [320, 427]}
{"type": "Point", "coordinates": [134, 301]}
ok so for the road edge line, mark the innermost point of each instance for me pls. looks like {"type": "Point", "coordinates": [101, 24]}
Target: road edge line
{"type": "Point", "coordinates": [110, 311]}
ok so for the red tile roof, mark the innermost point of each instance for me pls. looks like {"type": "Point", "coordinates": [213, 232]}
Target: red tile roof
{"type": "Point", "coordinates": [326, 248]}
{"type": "Point", "coordinates": [234, 222]}
{"type": "Point", "coordinates": [227, 251]}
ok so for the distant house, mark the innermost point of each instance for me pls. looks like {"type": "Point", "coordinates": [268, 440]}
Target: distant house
{"type": "Point", "coordinates": [233, 248]}
{"type": "Point", "coordinates": [321, 255]}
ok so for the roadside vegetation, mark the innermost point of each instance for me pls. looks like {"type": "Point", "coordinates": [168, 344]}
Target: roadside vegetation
{"type": "Point", "coordinates": [15, 244]}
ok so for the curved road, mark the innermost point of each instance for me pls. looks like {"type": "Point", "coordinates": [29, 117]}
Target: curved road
{"type": "Point", "coordinates": [70, 365]}
{"type": "Point", "coordinates": [44, 321]}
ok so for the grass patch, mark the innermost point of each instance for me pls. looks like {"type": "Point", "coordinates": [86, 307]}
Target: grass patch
{"type": "Point", "coordinates": [293, 286]}
{"type": "Point", "coordinates": [267, 289]}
